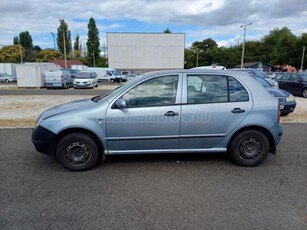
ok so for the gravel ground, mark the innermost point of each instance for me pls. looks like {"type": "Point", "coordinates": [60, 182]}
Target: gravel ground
{"type": "Point", "coordinates": [18, 111]}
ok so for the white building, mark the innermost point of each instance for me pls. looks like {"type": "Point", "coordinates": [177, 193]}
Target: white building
{"type": "Point", "coordinates": [146, 51]}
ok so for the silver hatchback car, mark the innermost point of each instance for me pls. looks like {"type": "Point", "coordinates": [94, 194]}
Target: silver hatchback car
{"type": "Point", "coordinates": [174, 111]}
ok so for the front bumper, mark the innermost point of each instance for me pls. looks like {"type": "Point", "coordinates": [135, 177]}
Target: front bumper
{"type": "Point", "coordinates": [44, 140]}
{"type": "Point", "coordinates": [89, 85]}
{"type": "Point", "coordinates": [288, 107]}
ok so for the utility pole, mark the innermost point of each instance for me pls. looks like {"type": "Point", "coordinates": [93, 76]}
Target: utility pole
{"type": "Point", "coordinates": [302, 63]}
{"type": "Point", "coordinates": [243, 45]}
{"type": "Point", "coordinates": [21, 61]}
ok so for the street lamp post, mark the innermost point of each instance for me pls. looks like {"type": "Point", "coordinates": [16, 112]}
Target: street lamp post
{"type": "Point", "coordinates": [243, 45]}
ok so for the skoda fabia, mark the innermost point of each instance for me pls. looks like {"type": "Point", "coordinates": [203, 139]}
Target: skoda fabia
{"type": "Point", "coordinates": [174, 111]}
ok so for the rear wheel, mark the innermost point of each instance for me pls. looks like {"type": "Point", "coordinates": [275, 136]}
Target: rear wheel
{"type": "Point", "coordinates": [304, 92]}
{"type": "Point", "coordinates": [77, 151]}
{"type": "Point", "coordinates": [249, 148]}
{"type": "Point", "coordinates": [7, 81]}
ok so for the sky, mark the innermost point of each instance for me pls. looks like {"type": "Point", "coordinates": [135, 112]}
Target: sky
{"type": "Point", "coordinates": [198, 19]}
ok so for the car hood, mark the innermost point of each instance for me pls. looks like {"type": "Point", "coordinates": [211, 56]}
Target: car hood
{"type": "Point", "coordinates": [278, 92]}
{"type": "Point", "coordinates": [83, 104]}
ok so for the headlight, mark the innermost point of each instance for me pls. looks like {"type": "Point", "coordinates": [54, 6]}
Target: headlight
{"type": "Point", "coordinates": [290, 98]}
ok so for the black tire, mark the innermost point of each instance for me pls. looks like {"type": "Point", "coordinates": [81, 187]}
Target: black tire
{"type": "Point", "coordinates": [7, 81]}
{"type": "Point", "coordinates": [249, 148]}
{"type": "Point", "coordinates": [112, 80]}
{"type": "Point", "coordinates": [77, 152]}
{"type": "Point", "coordinates": [304, 92]}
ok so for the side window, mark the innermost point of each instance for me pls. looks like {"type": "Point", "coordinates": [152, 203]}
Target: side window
{"type": "Point", "coordinates": [160, 91]}
{"type": "Point", "coordinates": [294, 77]}
{"type": "Point", "coordinates": [236, 91]}
{"type": "Point", "coordinates": [214, 89]}
{"type": "Point", "coordinates": [109, 73]}
{"type": "Point", "coordinates": [206, 89]}
{"type": "Point", "coordinates": [286, 76]}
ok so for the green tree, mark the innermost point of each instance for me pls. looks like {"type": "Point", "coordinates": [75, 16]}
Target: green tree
{"type": "Point", "coordinates": [11, 54]}
{"type": "Point", "coordinates": [92, 44]}
{"type": "Point", "coordinates": [279, 45]}
{"type": "Point", "coordinates": [167, 31]}
{"type": "Point", "coordinates": [47, 55]}
{"type": "Point", "coordinates": [25, 40]}
{"type": "Point", "coordinates": [77, 47]}
{"type": "Point", "coordinates": [63, 32]}
{"type": "Point", "coordinates": [15, 41]}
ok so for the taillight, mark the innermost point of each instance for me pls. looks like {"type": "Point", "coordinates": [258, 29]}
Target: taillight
{"type": "Point", "coordinates": [62, 79]}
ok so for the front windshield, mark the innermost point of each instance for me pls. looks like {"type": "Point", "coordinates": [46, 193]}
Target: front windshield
{"type": "Point", "coordinates": [98, 98]}
{"type": "Point", "coordinates": [114, 72]}
{"type": "Point", "coordinates": [83, 75]}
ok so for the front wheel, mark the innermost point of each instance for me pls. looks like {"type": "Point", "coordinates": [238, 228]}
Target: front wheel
{"type": "Point", "coordinates": [249, 148]}
{"type": "Point", "coordinates": [304, 93]}
{"type": "Point", "coordinates": [77, 151]}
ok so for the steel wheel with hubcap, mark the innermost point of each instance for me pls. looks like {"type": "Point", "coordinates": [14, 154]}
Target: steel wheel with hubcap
{"type": "Point", "coordinates": [77, 151]}
{"type": "Point", "coordinates": [304, 93]}
{"type": "Point", "coordinates": [249, 148]}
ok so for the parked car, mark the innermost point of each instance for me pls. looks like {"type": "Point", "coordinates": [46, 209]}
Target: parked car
{"type": "Point", "coordinates": [259, 73]}
{"type": "Point", "coordinates": [286, 99]}
{"type": "Point", "coordinates": [57, 79]}
{"type": "Point", "coordinates": [4, 77]}
{"type": "Point", "coordinates": [130, 77]}
{"type": "Point", "coordinates": [124, 73]}
{"type": "Point", "coordinates": [73, 72]}
{"type": "Point", "coordinates": [174, 111]}
{"type": "Point", "coordinates": [85, 79]}
{"type": "Point", "coordinates": [295, 83]}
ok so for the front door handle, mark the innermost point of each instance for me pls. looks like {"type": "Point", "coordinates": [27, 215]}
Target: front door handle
{"type": "Point", "coordinates": [171, 114]}
{"type": "Point", "coordinates": [237, 110]}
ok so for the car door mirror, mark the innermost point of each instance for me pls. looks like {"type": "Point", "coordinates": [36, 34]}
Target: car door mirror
{"type": "Point", "coordinates": [121, 103]}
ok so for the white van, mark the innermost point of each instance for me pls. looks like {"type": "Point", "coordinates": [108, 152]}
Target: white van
{"type": "Point", "coordinates": [57, 79]}
{"type": "Point", "coordinates": [106, 74]}
{"type": "Point", "coordinates": [86, 79]}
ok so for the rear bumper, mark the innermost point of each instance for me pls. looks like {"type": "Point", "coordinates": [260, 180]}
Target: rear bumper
{"type": "Point", "coordinates": [43, 140]}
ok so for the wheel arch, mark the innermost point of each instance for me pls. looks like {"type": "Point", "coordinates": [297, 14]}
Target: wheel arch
{"type": "Point", "coordinates": [272, 147]}
{"type": "Point", "coordinates": [65, 132]}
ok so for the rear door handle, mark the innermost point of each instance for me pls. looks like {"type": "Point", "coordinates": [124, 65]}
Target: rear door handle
{"type": "Point", "coordinates": [171, 114]}
{"type": "Point", "coordinates": [237, 110]}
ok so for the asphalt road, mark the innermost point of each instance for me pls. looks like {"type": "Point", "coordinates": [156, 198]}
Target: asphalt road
{"type": "Point", "coordinates": [153, 192]}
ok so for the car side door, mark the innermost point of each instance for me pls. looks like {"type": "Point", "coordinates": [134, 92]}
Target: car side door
{"type": "Point", "coordinates": [213, 106]}
{"type": "Point", "coordinates": [146, 118]}
{"type": "Point", "coordinates": [284, 82]}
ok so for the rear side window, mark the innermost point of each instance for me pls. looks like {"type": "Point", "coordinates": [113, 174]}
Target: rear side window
{"type": "Point", "coordinates": [214, 89]}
